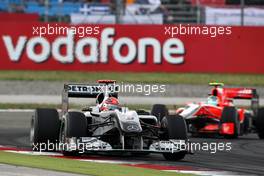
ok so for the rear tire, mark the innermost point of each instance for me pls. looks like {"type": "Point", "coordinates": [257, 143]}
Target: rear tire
{"type": "Point", "coordinates": [245, 126]}
{"type": "Point", "coordinates": [159, 111]}
{"type": "Point", "coordinates": [174, 128]}
{"type": "Point", "coordinates": [260, 123]}
{"type": "Point", "coordinates": [45, 125]}
{"type": "Point", "coordinates": [230, 115]}
{"type": "Point", "coordinates": [75, 125]}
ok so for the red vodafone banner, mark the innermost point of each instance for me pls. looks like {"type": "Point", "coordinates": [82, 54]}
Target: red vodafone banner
{"type": "Point", "coordinates": [131, 48]}
{"type": "Point", "coordinates": [19, 17]}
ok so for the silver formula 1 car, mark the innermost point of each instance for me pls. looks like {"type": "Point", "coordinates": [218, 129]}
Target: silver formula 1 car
{"type": "Point", "coordinates": [107, 126]}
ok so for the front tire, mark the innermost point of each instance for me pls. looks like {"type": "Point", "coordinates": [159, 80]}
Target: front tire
{"type": "Point", "coordinates": [45, 125]}
{"type": "Point", "coordinates": [174, 128]}
{"type": "Point", "coordinates": [230, 115]}
{"type": "Point", "coordinates": [260, 123]}
{"type": "Point", "coordinates": [74, 125]}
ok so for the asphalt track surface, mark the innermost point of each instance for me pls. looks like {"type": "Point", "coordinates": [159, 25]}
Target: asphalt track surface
{"type": "Point", "coordinates": [245, 157]}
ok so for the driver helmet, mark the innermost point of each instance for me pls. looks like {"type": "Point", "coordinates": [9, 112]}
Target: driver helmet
{"type": "Point", "coordinates": [212, 100]}
{"type": "Point", "coordinates": [110, 104]}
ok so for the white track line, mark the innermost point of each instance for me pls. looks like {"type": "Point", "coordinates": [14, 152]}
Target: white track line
{"type": "Point", "coordinates": [110, 161]}
{"type": "Point", "coordinates": [17, 110]}
{"type": "Point", "coordinates": [207, 173]}
{"type": "Point", "coordinates": [35, 153]}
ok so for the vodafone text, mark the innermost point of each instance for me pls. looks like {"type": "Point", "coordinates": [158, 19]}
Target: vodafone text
{"type": "Point", "coordinates": [171, 50]}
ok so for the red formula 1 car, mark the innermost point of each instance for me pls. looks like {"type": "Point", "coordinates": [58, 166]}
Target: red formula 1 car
{"type": "Point", "coordinates": [218, 115]}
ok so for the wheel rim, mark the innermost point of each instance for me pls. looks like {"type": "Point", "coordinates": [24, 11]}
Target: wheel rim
{"type": "Point", "coordinates": [32, 131]}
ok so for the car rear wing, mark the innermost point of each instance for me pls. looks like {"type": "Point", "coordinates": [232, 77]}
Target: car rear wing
{"type": "Point", "coordinates": [240, 93]}
{"type": "Point", "coordinates": [82, 90]}
{"type": "Point", "coordinates": [244, 93]}
{"type": "Point", "coordinates": [86, 91]}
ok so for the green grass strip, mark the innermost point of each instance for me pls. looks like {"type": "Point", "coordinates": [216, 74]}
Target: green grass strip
{"type": "Point", "coordinates": [80, 167]}
{"type": "Point", "coordinates": [165, 78]}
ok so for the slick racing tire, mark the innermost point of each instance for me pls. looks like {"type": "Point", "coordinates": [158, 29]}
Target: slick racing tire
{"type": "Point", "coordinates": [74, 125]}
{"type": "Point", "coordinates": [245, 126]}
{"type": "Point", "coordinates": [174, 127]}
{"type": "Point", "coordinates": [230, 115]}
{"type": "Point", "coordinates": [159, 111]}
{"type": "Point", "coordinates": [260, 123]}
{"type": "Point", "coordinates": [45, 125]}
